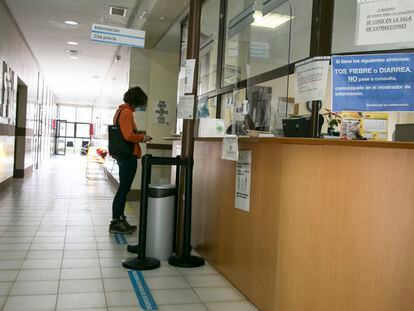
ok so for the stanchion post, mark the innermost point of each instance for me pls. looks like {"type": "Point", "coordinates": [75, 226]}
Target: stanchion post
{"type": "Point", "coordinates": [142, 262]}
{"type": "Point", "coordinates": [186, 260]}
{"type": "Point", "coordinates": [177, 193]}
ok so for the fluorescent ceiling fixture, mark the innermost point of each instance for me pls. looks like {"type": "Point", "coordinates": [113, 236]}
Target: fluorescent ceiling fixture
{"type": "Point", "coordinates": [72, 43]}
{"type": "Point", "coordinates": [72, 23]}
{"type": "Point", "coordinates": [143, 14]}
{"type": "Point", "coordinates": [270, 20]}
{"type": "Point", "coordinates": [73, 52]}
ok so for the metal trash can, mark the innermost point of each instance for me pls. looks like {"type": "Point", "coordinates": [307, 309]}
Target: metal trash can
{"type": "Point", "coordinates": [160, 225]}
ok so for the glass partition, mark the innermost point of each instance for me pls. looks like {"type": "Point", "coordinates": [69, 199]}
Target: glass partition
{"type": "Point", "coordinates": [233, 106]}
{"type": "Point", "coordinates": [264, 35]}
{"type": "Point", "coordinates": [269, 105]}
{"type": "Point", "coordinates": [209, 35]}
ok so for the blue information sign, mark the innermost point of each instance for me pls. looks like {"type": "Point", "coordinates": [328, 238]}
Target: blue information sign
{"type": "Point", "coordinates": [380, 82]}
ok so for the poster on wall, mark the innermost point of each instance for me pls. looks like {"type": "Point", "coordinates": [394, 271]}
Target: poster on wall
{"type": "Point", "coordinates": [8, 96]}
{"type": "Point", "coordinates": [384, 22]}
{"type": "Point", "coordinates": [162, 113]}
{"type": "Point", "coordinates": [376, 82]}
{"type": "Point", "coordinates": [243, 179]}
{"type": "Point", "coordinates": [311, 79]}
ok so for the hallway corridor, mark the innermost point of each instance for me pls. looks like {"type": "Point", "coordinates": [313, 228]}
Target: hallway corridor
{"type": "Point", "coordinates": [56, 252]}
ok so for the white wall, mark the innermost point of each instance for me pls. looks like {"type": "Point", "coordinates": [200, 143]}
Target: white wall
{"type": "Point", "coordinates": [156, 72]}
{"type": "Point", "coordinates": [17, 54]}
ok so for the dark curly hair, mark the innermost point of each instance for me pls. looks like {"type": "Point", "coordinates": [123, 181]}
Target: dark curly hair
{"type": "Point", "coordinates": [136, 97]}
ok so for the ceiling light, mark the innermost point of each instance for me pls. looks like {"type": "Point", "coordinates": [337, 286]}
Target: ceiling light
{"type": "Point", "coordinates": [73, 52]}
{"type": "Point", "coordinates": [143, 14]}
{"type": "Point", "coordinates": [73, 57]}
{"type": "Point", "coordinates": [72, 23]}
{"type": "Point", "coordinates": [162, 18]}
{"type": "Point", "coordinates": [270, 20]}
{"type": "Point", "coordinates": [72, 43]}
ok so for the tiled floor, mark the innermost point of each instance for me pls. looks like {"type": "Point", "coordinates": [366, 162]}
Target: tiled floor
{"type": "Point", "coordinates": [56, 252]}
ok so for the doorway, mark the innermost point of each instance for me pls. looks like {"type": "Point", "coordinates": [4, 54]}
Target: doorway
{"type": "Point", "coordinates": [19, 169]}
{"type": "Point", "coordinates": [72, 137]}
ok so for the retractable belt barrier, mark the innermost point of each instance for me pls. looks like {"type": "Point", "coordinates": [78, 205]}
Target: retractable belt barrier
{"type": "Point", "coordinates": [185, 260]}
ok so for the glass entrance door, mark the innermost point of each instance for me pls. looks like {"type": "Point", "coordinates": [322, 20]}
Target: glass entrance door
{"type": "Point", "coordinates": [60, 138]}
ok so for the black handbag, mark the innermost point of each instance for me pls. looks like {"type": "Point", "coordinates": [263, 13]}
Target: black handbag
{"type": "Point", "coordinates": [118, 147]}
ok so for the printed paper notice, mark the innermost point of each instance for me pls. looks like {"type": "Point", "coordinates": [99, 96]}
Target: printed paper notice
{"type": "Point", "coordinates": [189, 75]}
{"type": "Point", "coordinates": [243, 178]}
{"type": "Point", "coordinates": [311, 79]}
{"type": "Point", "coordinates": [384, 22]}
{"type": "Point", "coordinates": [161, 113]}
{"type": "Point", "coordinates": [230, 148]}
{"type": "Point", "coordinates": [185, 107]}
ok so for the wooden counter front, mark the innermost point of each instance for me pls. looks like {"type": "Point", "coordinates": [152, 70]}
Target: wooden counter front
{"type": "Point", "coordinates": [330, 227]}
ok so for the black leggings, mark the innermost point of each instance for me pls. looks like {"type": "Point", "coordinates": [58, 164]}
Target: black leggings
{"type": "Point", "coordinates": [127, 170]}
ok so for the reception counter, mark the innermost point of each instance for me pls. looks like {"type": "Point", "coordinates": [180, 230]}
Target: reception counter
{"type": "Point", "coordinates": [330, 227]}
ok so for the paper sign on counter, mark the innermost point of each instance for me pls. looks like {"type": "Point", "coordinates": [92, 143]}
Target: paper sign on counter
{"type": "Point", "coordinates": [230, 148]}
{"type": "Point", "coordinates": [243, 179]}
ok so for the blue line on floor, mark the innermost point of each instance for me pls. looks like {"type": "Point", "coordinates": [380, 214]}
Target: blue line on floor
{"type": "Point", "coordinates": [120, 239]}
{"type": "Point", "coordinates": [142, 291]}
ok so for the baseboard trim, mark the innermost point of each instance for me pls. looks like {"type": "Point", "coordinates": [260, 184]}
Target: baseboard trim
{"type": "Point", "coordinates": [5, 184]}
{"type": "Point", "coordinates": [23, 173]}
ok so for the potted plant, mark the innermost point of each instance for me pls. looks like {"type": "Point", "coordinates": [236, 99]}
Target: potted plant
{"type": "Point", "coordinates": [333, 120]}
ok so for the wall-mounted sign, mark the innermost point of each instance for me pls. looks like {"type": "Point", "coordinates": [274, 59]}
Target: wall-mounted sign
{"type": "Point", "coordinates": [8, 95]}
{"type": "Point", "coordinates": [384, 21]}
{"type": "Point", "coordinates": [243, 178]}
{"type": "Point", "coordinates": [118, 36]}
{"type": "Point", "coordinates": [161, 113]}
{"type": "Point", "coordinates": [311, 79]}
{"type": "Point", "coordinates": [379, 82]}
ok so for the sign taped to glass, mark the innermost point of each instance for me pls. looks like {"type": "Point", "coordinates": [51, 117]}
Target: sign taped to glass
{"type": "Point", "coordinates": [377, 82]}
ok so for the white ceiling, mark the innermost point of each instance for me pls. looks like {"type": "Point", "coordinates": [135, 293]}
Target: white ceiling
{"type": "Point", "coordinates": [74, 81]}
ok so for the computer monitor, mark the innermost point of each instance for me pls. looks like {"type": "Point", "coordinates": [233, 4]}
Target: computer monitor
{"type": "Point", "coordinates": [404, 132]}
{"type": "Point", "coordinates": [299, 126]}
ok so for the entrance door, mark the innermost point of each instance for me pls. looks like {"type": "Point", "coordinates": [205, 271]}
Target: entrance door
{"type": "Point", "coordinates": [60, 137]}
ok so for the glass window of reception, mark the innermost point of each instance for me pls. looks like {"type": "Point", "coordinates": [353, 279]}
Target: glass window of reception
{"type": "Point", "coordinates": [263, 35]}
{"type": "Point", "coordinates": [209, 30]}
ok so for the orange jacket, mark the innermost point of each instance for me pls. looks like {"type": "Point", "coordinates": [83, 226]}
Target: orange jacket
{"type": "Point", "coordinates": [128, 127]}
